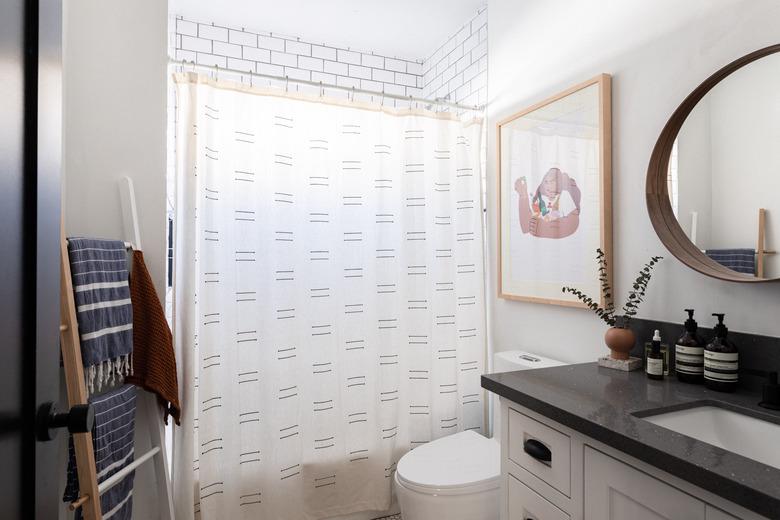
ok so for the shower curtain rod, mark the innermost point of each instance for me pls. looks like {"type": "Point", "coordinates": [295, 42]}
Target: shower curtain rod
{"type": "Point", "coordinates": [319, 84]}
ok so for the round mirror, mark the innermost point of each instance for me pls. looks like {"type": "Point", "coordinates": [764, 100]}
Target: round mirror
{"type": "Point", "coordinates": [713, 184]}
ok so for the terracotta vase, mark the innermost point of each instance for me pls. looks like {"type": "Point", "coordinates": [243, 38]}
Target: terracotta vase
{"type": "Point", "coordinates": [620, 342]}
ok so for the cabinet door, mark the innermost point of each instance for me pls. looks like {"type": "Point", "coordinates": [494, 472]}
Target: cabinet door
{"type": "Point", "coordinates": [616, 491]}
{"type": "Point", "coordinates": [527, 504]}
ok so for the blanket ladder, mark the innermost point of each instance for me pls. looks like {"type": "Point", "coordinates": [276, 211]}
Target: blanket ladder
{"type": "Point", "coordinates": [70, 345]}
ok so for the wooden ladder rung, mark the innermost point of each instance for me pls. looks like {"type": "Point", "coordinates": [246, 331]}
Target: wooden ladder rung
{"type": "Point", "coordinates": [63, 327]}
{"type": "Point", "coordinates": [80, 501]}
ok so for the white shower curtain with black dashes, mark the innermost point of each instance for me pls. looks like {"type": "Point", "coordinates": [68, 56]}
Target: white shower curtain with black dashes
{"type": "Point", "coordinates": [329, 309]}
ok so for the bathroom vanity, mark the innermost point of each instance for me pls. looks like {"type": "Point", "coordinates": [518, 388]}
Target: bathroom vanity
{"type": "Point", "coordinates": [586, 442]}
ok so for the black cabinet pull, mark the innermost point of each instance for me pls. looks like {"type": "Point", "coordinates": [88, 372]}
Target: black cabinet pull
{"type": "Point", "coordinates": [537, 450]}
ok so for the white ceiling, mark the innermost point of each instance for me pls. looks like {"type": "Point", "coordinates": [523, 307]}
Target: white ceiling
{"type": "Point", "coordinates": [411, 29]}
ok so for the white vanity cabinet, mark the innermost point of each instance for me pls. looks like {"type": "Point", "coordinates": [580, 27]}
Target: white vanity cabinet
{"type": "Point", "coordinates": [550, 472]}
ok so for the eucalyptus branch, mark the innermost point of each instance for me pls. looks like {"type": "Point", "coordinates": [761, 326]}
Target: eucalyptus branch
{"type": "Point", "coordinates": [635, 297]}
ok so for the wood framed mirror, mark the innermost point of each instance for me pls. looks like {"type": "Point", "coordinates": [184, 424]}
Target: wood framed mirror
{"type": "Point", "coordinates": [713, 182]}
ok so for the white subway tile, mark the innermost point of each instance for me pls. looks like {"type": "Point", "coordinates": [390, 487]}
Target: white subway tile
{"type": "Point", "coordinates": [344, 81]}
{"type": "Point", "coordinates": [209, 59]}
{"type": "Point", "coordinates": [479, 51]}
{"type": "Point", "coordinates": [463, 63]}
{"type": "Point", "coordinates": [449, 46]}
{"type": "Point", "coordinates": [356, 71]}
{"type": "Point", "coordinates": [455, 83]}
{"type": "Point", "coordinates": [448, 74]}
{"type": "Point", "coordinates": [270, 70]}
{"type": "Point", "coordinates": [329, 79]}
{"type": "Point", "coordinates": [428, 76]}
{"type": "Point", "coordinates": [367, 84]}
{"type": "Point", "coordinates": [479, 81]}
{"type": "Point", "coordinates": [334, 67]}
{"type": "Point", "coordinates": [296, 73]}
{"type": "Point", "coordinates": [282, 58]}
{"type": "Point", "coordinates": [242, 38]}
{"type": "Point", "coordinates": [270, 43]}
{"type": "Point", "coordinates": [483, 63]}
{"type": "Point", "coordinates": [434, 84]}
{"type": "Point", "coordinates": [463, 33]}
{"type": "Point", "coordinates": [455, 55]}
{"type": "Point", "coordinates": [471, 71]}
{"type": "Point", "coordinates": [349, 57]}
{"type": "Point", "coordinates": [405, 79]}
{"type": "Point", "coordinates": [185, 27]}
{"type": "Point", "coordinates": [295, 47]}
{"type": "Point", "coordinates": [415, 92]}
{"type": "Point", "coordinates": [392, 88]}
{"type": "Point", "coordinates": [462, 92]}
{"type": "Point", "coordinates": [177, 42]}
{"type": "Point", "coordinates": [479, 21]}
{"type": "Point", "coordinates": [395, 65]}
{"type": "Point", "coordinates": [419, 82]}
{"type": "Point", "coordinates": [327, 53]}
{"type": "Point", "coordinates": [371, 60]}
{"type": "Point", "coordinates": [483, 33]}
{"type": "Point", "coordinates": [414, 68]}
{"type": "Point", "coordinates": [308, 63]}
{"type": "Point", "coordinates": [234, 63]}
{"type": "Point", "coordinates": [471, 42]}
{"type": "Point", "coordinates": [183, 55]}
{"type": "Point", "coordinates": [212, 32]}
{"type": "Point", "coordinates": [227, 49]}
{"type": "Point", "coordinates": [382, 75]}
{"type": "Point", "coordinates": [190, 43]}
{"type": "Point", "coordinates": [254, 54]}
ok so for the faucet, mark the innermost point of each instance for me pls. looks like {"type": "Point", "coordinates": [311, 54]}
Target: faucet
{"type": "Point", "coordinates": [771, 391]}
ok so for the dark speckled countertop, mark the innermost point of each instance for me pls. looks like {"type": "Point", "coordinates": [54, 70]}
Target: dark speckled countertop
{"type": "Point", "coordinates": [600, 403]}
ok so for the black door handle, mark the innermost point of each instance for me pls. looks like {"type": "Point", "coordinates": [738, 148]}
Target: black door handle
{"type": "Point", "coordinates": [537, 450]}
{"type": "Point", "coordinates": [80, 419]}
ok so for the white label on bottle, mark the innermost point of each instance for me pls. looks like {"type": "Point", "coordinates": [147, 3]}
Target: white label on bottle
{"type": "Point", "coordinates": [655, 366]}
{"type": "Point", "coordinates": [693, 351]}
{"type": "Point", "coordinates": [721, 366]}
{"type": "Point", "coordinates": [721, 356]}
{"type": "Point", "coordinates": [689, 360]}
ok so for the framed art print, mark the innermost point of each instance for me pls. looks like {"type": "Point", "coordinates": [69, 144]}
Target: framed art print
{"type": "Point", "coordinates": [555, 195]}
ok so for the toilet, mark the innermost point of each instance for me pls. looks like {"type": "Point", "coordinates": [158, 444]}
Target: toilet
{"type": "Point", "coordinates": [458, 477]}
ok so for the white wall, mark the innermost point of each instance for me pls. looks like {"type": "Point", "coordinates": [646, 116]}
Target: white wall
{"type": "Point", "coordinates": [694, 167]}
{"type": "Point", "coordinates": [115, 66]}
{"type": "Point", "coordinates": [115, 63]}
{"type": "Point", "coordinates": [657, 52]}
{"type": "Point", "coordinates": [745, 116]}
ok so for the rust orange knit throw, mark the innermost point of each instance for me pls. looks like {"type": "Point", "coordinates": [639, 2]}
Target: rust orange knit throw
{"type": "Point", "coordinates": [154, 362]}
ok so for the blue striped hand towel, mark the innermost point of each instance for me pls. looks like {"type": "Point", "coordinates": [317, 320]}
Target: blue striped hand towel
{"type": "Point", "coordinates": [739, 260]}
{"type": "Point", "coordinates": [113, 441]}
{"type": "Point", "coordinates": [103, 309]}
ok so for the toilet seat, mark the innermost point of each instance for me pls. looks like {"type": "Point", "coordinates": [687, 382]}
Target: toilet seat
{"type": "Point", "coordinates": [458, 464]}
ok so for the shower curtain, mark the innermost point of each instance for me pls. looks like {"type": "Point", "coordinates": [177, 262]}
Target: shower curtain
{"type": "Point", "coordinates": [329, 305]}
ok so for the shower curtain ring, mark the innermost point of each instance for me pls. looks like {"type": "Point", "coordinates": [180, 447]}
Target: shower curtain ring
{"type": "Point", "coordinates": [353, 94]}
{"type": "Point", "coordinates": [216, 72]}
{"type": "Point", "coordinates": [382, 101]}
{"type": "Point", "coordinates": [322, 90]}
{"type": "Point", "coordinates": [287, 83]}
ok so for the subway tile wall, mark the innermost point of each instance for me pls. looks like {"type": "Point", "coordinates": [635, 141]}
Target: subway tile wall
{"type": "Point", "coordinates": [457, 70]}
{"type": "Point", "coordinates": [287, 56]}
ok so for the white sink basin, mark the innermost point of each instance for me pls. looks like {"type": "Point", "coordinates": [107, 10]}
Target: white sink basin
{"type": "Point", "coordinates": [732, 431]}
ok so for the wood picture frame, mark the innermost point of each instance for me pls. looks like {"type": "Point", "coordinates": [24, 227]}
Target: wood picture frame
{"type": "Point", "coordinates": [563, 143]}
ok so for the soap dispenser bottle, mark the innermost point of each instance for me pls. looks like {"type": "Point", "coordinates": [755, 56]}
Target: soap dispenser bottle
{"type": "Point", "coordinates": [689, 353]}
{"type": "Point", "coordinates": [654, 365]}
{"type": "Point", "coordinates": [721, 360]}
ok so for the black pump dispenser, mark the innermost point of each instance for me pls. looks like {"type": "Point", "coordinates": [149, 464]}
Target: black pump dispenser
{"type": "Point", "coordinates": [689, 353]}
{"type": "Point", "coordinates": [721, 360]}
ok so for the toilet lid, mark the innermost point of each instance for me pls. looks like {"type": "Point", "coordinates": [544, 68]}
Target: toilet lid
{"type": "Point", "coordinates": [462, 460]}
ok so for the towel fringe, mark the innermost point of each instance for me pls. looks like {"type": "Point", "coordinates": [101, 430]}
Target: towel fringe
{"type": "Point", "coordinates": [108, 373]}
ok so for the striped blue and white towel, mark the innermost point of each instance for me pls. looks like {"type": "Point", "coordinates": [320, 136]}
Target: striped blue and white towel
{"type": "Point", "coordinates": [103, 309]}
{"type": "Point", "coordinates": [739, 260]}
{"type": "Point", "coordinates": [113, 441]}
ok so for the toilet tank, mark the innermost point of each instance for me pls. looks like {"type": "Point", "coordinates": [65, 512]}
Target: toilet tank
{"type": "Point", "coordinates": [510, 361]}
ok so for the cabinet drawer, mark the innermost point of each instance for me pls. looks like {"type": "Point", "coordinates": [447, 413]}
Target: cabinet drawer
{"type": "Point", "coordinates": [530, 441]}
{"type": "Point", "coordinates": [527, 504]}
